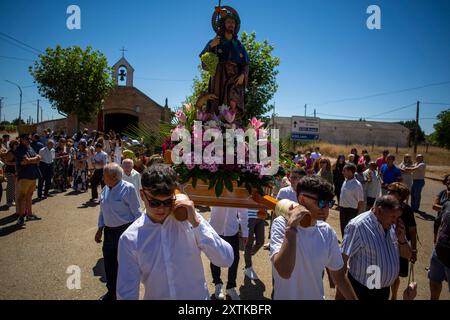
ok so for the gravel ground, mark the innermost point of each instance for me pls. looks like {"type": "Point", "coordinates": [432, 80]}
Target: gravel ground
{"type": "Point", "coordinates": [34, 259]}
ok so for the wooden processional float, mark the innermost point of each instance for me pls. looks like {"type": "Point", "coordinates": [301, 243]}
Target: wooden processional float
{"type": "Point", "coordinates": [201, 195]}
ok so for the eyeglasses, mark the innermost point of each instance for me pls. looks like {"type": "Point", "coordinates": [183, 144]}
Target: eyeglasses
{"type": "Point", "coordinates": [155, 203]}
{"type": "Point", "coordinates": [321, 203]}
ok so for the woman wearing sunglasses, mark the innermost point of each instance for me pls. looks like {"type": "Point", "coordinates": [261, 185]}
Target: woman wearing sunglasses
{"type": "Point", "coordinates": [164, 253]}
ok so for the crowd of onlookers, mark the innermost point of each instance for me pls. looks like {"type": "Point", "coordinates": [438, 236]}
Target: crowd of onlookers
{"type": "Point", "coordinates": [376, 200]}
{"type": "Point", "coordinates": [58, 161]}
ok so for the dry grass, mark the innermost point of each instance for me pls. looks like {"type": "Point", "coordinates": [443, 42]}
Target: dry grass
{"type": "Point", "coordinates": [434, 157]}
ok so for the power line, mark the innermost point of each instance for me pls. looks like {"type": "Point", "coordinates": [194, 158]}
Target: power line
{"type": "Point", "coordinates": [18, 46]}
{"type": "Point", "coordinates": [391, 111]}
{"type": "Point", "coordinates": [14, 58]}
{"type": "Point", "coordinates": [436, 103]}
{"type": "Point", "coordinates": [383, 93]}
{"type": "Point", "coordinates": [21, 42]}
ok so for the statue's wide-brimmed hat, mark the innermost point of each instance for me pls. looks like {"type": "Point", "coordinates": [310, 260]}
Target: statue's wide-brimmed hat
{"type": "Point", "coordinates": [223, 13]}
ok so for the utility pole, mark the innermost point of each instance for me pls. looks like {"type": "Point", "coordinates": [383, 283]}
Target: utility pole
{"type": "Point", "coordinates": [1, 100]}
{"type": "Point", "coordinates": [416, 133]}
{"type": "Point", "coordinates": [306, 106]}
{"type": "Point", "coordinates": [42, 114]}
{"type": "Point", "coordinates": [315, 114]}
{"type": "Point", "coordinates": [37, 115]}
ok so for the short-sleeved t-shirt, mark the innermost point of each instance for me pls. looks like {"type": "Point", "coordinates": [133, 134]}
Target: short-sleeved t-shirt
{"type": "Point", "coordinates": [408, 219]}
{"type": "Point", "coordinates": [390, 175]}
{"type": "Point", "coordinates": [317, 248]}
{"type": "Point", "coordinates": [380, 162]}
{"type": "Point", "coordinates": [419, 173]}
{"type": "Point", "coordinates": [28, 171]}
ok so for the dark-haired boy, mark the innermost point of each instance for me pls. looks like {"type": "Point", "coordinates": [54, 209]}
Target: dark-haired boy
{"type": "Point", "coordinates": [299, 255]}
{"type": "Point", "coordinates": [164, 253]}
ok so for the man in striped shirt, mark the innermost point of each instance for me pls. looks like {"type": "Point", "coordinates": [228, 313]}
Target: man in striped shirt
{"type": "Point", "coordinates": [373, 243]}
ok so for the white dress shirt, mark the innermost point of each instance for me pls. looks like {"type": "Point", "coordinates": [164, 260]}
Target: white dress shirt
{"type": "Point", "coordinates": [47, 155]}
{"type": "Point", "coordinates": [166, 259]}
{"type": "Point", "coordinates": [352, 192]}
{"type": "Point", "coordinates": [135, 179]}
{"type": "Point", "coordinates": [226, 221]}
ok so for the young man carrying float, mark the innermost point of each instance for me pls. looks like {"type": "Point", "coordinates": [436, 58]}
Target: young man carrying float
{"type": "Point", "coordinates": [299, 255]}
{"type": "Point", "coordinates": [164, 253]}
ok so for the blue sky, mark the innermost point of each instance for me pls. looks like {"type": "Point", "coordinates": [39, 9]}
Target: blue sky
{"type": "Point", "coordinates": [327, 53]}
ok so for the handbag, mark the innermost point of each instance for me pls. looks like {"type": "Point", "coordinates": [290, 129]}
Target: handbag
{"type": "Point", "coordinates": [410, 292]}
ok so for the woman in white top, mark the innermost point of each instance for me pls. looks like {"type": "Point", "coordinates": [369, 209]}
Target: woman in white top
{"type": "Point", "coordinates": [118, 151]}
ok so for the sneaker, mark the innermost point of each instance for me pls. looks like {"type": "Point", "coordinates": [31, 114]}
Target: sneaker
{"type": "Point", "coordinates": [21, 221]}
{"type": "Point", "coordinates": [250, 273]}
{"type": "Point", "coordinates": [233, 294]}
{"type": "Point", "coordinates": [266, 246]}
{"type": "Point", "coordinates": [33, 217]}
{"type": "Point", "coordinates": [218, 292]}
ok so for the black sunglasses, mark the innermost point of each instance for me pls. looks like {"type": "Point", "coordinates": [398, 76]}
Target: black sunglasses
{"type": "Point", "coordinates": [321, 203]}
{"type": "Point", "coordinates": [155, 203]}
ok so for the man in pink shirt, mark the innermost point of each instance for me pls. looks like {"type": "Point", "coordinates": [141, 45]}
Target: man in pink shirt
{"type": "Point", "coordinates": [382, 160]}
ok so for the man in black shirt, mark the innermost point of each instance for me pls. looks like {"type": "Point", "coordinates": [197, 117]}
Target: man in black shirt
{"type": "Point", "coordinates": [36, 144]}
{"type": "Point", "coordinates": [27, 172]}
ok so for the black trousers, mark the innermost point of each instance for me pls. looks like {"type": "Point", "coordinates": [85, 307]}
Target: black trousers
{"type": "Point", "coordinates": [232, 271]}
{"type": "Point", "coordinates": [46, 177]}
{"type": "Point", "coordinates": [255, 239]}
{"type": "Point", "coordinates": [110, 247]}
{"type": "Point", "coordinates": [97, 178]}
{"type": "Point", "coordinates": [365, 293]}
{"type": "Point", "coordinates": [345, 215]}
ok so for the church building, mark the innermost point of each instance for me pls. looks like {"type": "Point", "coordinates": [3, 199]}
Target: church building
{"type": "Point", "coordinates": [124, 106]}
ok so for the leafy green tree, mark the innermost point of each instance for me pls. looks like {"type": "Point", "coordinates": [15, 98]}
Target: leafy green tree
{"type": "Point", "coordinates": [16, 122]}
{"type": "Point", "coordinates": [75, 81]}
{"type": "Point", "coordinates": [441, 136]}
{"type": "Point", "coordinates": [262, 83]}
{"type": "Point", "coordinates": [411, 125]}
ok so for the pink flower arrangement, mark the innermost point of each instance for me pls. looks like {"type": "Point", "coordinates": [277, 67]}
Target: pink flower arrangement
{"type": "Point", "coordinates": [255, 123]}
{"type": "Point", "coordinates": [181, 116]}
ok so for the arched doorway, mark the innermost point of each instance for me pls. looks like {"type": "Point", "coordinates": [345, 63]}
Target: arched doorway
{"type": "Point", "coordinates": [120, 122]}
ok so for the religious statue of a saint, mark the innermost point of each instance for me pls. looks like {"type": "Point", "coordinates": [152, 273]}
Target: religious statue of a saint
{"type": "Point", "coordinates": [227, 84]}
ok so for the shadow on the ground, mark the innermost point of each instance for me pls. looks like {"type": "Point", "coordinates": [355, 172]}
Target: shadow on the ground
{"type": "Point", "coordinates": [37, 200]}
{"type": "Point", "coordinates": [4, 207]}
{"type": "Point", "coordinates": [8, 219]}
{"type": "Point", "coordinates": [99, 270]}
{"type": "Point", "coordinates": [252, 290]}
{"type": "Point", "coordinates": [4, 231]}
{"type": "Point", "coordinates": [72, 193]}
{"type": "Point", "coordinates": [425, 216]}
{"type": "Point", "coordinates": [89, 204]}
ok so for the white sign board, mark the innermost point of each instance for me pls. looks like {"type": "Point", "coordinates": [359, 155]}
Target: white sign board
{"type": "Point", "coordinates": [305, 128]}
